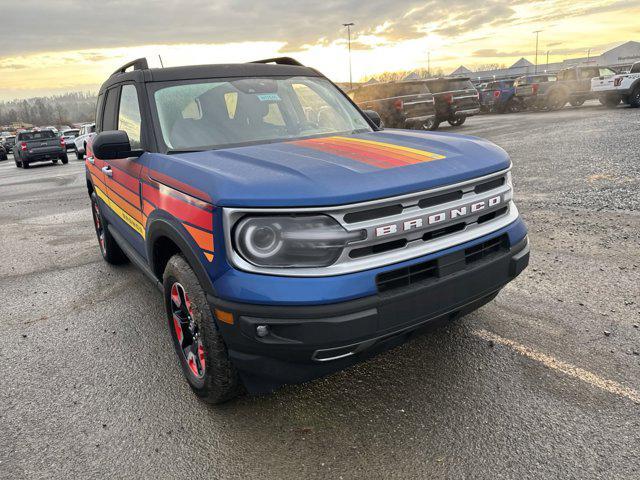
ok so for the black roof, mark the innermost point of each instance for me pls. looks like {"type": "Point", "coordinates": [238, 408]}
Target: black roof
{"type": "Point", "coordinates": [262, 68]}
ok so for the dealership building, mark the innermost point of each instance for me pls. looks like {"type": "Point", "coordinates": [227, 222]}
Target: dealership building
{"type": "Point", "coordinates": [619, 57]}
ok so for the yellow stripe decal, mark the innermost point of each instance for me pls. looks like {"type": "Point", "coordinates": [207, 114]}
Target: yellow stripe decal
{"type": "Point", "coordinates": [128, 219]}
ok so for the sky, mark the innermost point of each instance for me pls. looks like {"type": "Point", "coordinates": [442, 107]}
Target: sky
{"type": "Point", "coordinates": [73, 45]}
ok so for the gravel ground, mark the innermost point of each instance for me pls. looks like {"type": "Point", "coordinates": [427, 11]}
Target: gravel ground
{"type": "Point", "coordinates": [541, 383]}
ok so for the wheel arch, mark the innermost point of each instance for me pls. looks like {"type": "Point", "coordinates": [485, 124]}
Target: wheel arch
{"type": "Point", "coordinates": [165, 237]}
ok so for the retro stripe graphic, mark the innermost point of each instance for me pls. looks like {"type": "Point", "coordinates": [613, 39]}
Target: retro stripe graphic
{"type": "Point", "coordinates": [133, 200]}
{"type": "Point", "coordinates": [378, 154]}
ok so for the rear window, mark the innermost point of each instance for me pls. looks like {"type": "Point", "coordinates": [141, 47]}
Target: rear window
{"type": "Point", "coordinates": [439, 86]}
{"type": "Point", "coordinates": [71, 132]}
{"type": "Point", "coordinates": [43, 135]}
{"type": "Point", "coordinates": [635, 68]}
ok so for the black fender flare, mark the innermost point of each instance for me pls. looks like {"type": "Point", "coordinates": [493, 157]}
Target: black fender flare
{"type": "Point", "coordinates": [162, 224]}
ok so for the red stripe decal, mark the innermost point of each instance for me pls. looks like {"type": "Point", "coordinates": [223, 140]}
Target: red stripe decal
{"type": "Point", "coordinates": [178, 208]}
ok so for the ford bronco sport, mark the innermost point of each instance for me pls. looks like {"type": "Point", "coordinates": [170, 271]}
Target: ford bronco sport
{"type": "Point", "coordinates": [290, 235]}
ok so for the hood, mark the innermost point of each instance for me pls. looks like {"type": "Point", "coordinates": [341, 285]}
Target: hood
{"type": "Point", "coordinates": [334, 170]}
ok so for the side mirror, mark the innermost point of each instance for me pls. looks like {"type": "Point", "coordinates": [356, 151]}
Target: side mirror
{"type": "Point", "coordinates": [374, 117]}
{"type": "Point", "coordinates": [113, 144]}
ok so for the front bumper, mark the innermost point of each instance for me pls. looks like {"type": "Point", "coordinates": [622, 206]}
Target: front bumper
{"type": "Point", "coordinates": [307, 342]}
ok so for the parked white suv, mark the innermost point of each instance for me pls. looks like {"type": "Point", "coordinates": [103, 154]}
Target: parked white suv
{"type": "Point", "coordinates": [622, 87]}
{"type": "Point", "coordinates": [86, 132]}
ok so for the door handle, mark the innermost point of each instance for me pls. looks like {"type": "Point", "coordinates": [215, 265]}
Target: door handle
{"type": "Point", "coordinates": [91, 160]}
{"type": "Point", "coordinates": [107, 171]}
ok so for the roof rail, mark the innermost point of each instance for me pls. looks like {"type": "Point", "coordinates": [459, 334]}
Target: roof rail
{"type": "Point", "coordinates": [280, 61]}
{"type": "Point", "coordinates": [138, 64]}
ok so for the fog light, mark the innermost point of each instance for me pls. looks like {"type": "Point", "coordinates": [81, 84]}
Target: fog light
{"type": "Point", "coordinates": [262, 331]}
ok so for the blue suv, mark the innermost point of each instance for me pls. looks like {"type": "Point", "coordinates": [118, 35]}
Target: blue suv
{"type": "Point", "coordinates": [290, 235]}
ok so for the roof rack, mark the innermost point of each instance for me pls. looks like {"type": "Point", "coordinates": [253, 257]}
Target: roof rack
{"type": "Point", "coordinates": [280, 61]}
{"type": "Point", "coordinates": [138, 64]}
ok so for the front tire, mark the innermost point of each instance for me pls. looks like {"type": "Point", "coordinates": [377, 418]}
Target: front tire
{"type": "Point", "coordinates": [634, 98]}
{"type": "Point", "coordinates": [200, 348]}
{"type": "Point", "coordinates": [110, 250]}
{"type": "Point", "coordinates": [576, 102]}
{"type": "Point", "coordinates": [457, 121]}
{"type": "Point", "coordinates": [431, 124]}
{"type": "Point", "coordinates": [556, 101]}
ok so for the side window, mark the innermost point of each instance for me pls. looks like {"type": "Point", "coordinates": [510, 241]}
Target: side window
{"type": "Point", "coordinates": [129, 118]}
{"type": "Point", "coordinates": [274, 116]}
{"type": "Point", "coordinates": [99, 112]}
{"type": "Point", "coordinates": [231, 101]}
{"type": "Point", "coordinates": [110, 108]}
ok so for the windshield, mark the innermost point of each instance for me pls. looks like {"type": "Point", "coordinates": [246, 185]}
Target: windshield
{"type": "Point", "coordinates": [218, 113]}
{"type": "Point", "coordinates": [69, 133]}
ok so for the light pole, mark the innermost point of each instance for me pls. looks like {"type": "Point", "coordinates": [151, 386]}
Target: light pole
{"type": "Point", "coordinates": [588, 55]}
{"type": "Point", "coordinates": [547, 61]}
{"type": "Point", "coordinates": [349, 25]}
{"type": "Point", "coordinates": [537, 32]}
{"type": "Point", "coordinates": [428, 63]}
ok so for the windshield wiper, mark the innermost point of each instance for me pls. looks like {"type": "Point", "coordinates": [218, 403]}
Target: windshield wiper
{"type": "Point", "coordinates": [170, 152]}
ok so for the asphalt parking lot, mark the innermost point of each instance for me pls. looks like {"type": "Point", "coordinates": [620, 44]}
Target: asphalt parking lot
{"type": "Point", "coordinates": [543, 382]}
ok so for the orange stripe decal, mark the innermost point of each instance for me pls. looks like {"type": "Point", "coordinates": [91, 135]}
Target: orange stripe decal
{"type": "Point", "coordinates": [378, 154]}
{"type": "Point", "coordinates": [203, 239]}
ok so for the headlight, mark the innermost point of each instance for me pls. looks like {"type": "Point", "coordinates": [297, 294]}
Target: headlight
{"type": "Point", "coordinates": [292, 241]}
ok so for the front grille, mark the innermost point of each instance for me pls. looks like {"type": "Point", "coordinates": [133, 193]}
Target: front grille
{"type": "Point", "coordinates": [442, 266]}
{"type": "Point", "coordinates": [392, 230]}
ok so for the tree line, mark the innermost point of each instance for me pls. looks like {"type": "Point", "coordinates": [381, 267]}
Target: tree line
{"type": "Point", "coordinates": [62, 109]}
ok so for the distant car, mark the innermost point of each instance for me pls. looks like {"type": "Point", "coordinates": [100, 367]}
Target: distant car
{"type": "Point", "coordinates": [8, 143]}
{"type": "Point", "coordinates": [399, 104]}
{"type": "Point", "coordinates": [39, 146]}
{"type": "Point", "coordinates": [623, 87]}
{"type": "Point", "coordinates": [455, 99]}
{"type": "Point", "coordinates": [531, 90]}
{"type": "Point", "coordinates": [574, 86]}
{"type": "Point", "coordinates": [499, 96]}
{"type": "Point", "coordinates": [86, 132]}
{"type": "Point", "coordinates": [3, 153]}
{"type": "Point", "coordinates": [69, 137]}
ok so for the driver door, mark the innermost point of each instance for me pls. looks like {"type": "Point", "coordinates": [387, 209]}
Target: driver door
{"type": "Point", "coordinates": [122, 175]}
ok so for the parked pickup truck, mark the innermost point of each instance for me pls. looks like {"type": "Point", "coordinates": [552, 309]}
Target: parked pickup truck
{"type": "Point", "coordinates": [80, 142]}
{"type": "Point", "coordinates": [531, 90]}
{"type": "Point", "coordinates": [499, 96]}
{"type": "Point", "coordinates": [456, 99]}
{"type": "Point", "coordinates": [39, 146]}
{"type": "Point", "coordinates": [624, 87]}
{"type": "Point", "coordinates": [574, 86]}
{"type": "Point", "coordinates": [406, 104]}
{"type": "Point", "coordinates": [287, 248]}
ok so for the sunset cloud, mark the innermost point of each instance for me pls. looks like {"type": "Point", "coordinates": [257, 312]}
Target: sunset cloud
{"type": "Point", "coordinates": [56, 53]}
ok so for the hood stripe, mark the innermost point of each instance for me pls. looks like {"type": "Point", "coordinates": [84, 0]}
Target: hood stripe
{"type": "Point", "coordinates": [407, 157]}
{"type": "Point", "coordinates": [378, 154]}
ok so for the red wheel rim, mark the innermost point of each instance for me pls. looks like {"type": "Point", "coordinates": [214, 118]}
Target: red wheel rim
{"type": "Point", "coordinates": [187, 332]}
